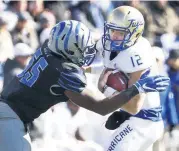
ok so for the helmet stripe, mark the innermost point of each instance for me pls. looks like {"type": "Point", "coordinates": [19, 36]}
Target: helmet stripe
{"type": "Point", "coordinates": [77, 31]}
{"type": "Point", "coordinates": [53, 32]}
{"type": "Point", "coordinates": [62, 26]}
{"type": "Point", "coordinates": [89, 34]}
{"type": "Point", "coordinates": [82, 43]}
{"type": "Point", "coordinates": [67, 36]}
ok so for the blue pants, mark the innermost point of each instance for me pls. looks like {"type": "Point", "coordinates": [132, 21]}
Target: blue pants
{"type": "Point", "coordinates": [13, 136]}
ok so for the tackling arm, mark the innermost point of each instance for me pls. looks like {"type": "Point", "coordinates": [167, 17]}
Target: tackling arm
{"type": "Point", "coordinates": [94, 100]}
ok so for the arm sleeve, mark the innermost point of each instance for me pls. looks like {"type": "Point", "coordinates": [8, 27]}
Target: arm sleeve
{"type": "Point", "coordinates": [72, 78]}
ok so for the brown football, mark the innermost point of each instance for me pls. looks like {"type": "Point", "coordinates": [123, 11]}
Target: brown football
{"type": "Point", "coordinates": [117, 81]}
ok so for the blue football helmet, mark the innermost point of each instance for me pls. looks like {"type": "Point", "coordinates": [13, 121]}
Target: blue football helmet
{"type": "Point", "coordinates": [72, 40]}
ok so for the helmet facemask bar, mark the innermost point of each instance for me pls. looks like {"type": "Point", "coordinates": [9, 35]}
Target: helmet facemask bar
{"type": "Point", "coordinates": [116, 45]}
{"type": "Point", "coordinates": [89, 55]}
{"type": "Point", "coordinates": [86, 56]}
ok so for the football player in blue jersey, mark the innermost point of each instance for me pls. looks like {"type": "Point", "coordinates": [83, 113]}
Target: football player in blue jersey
{"type": "Point", "coordinates": [54, 75]}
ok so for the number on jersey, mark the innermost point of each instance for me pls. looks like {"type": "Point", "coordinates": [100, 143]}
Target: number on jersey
{"type": "Point", "coordinates": [32, 72]}
{"type": "Point", "coordinates": [136, 60]}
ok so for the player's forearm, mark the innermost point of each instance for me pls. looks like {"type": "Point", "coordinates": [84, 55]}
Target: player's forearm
{"type": "Point", "coordinates": [118, 100]}
{"type": "Point", "coordinates": [114, 102]}
{"type": "Point", "coordinates": [99, 103]}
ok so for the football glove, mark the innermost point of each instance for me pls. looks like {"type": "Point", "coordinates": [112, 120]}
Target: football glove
{"type": "Point", "coordinates": [152, 84]}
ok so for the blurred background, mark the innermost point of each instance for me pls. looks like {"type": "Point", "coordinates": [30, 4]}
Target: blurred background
{"type": "Point", "coordinates": [25, 25]}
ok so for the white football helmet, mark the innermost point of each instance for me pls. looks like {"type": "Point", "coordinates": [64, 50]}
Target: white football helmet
{"type": "Point", "coordinates": [124, 19]}
{"type": "Point", "coordinates": [73, 41]}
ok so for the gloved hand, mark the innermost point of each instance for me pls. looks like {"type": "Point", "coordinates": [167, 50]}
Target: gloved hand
{"type": "Point", "coordinates": [152, 83]}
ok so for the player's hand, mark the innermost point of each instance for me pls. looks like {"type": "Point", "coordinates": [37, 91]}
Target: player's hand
{"type": "Point", "coordinates": [152, 84]}
{"type": "Point", "coordinates": [103, 78]}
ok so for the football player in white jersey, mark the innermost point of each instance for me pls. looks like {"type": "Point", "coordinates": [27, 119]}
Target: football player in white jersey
{"type": "Point", "coordinates": [126, 50]}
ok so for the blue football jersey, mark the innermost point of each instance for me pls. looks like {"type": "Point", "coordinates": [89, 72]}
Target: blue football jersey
{"type": "Point", "coordinates": [42, 84]}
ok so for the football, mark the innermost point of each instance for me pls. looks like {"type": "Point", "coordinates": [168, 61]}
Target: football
{"type": "Point", "coordinates": [117, 81]}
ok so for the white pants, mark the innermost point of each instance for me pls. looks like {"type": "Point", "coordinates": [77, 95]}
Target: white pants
{"type": "Point", "coordinates": [135, 134]}
{"type": "Point", "coordinates": [12, 132]}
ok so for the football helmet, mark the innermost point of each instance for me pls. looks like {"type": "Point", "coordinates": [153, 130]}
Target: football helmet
{"type": "Point", "coordinates": [73, 41]}
{"type": "Point", "coordinates": [124, 20]}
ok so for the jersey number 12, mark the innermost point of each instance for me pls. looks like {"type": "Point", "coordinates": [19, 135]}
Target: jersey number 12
{"type": "Point", "coordinates": [136, 60]}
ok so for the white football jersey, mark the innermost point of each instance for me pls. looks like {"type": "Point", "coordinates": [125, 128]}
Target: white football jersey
{"type": "Point", "coordinates": [137, 57]}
